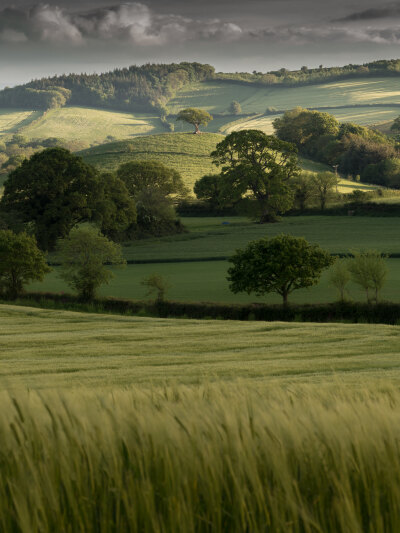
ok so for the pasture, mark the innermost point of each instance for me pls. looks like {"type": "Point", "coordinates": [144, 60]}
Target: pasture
{"type": "Point", "coordinates": [217, 96]}
{"type": "Point", "coordinates": [92, 125]}
{"type": "Point", "coordinates": [11, 120]}
{"type": "Point", "coordinates": [203, 279]}
{"type": "Point", "coordinates": [187, 153]}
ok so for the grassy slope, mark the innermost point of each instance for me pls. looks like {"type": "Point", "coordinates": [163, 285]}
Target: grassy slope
{"type": "Point", "coordinates": [40, 351]}
{"type": "Point", "coordinates": [11, 120]}
{"type": "Point", "coordinates": [206, 280]}
{"type": "Point", "coordinates": [216, 97]}
{"type": "Point", "coordinates": [92, 125]}
{"type": "Point", "coordinates": [187, 153]}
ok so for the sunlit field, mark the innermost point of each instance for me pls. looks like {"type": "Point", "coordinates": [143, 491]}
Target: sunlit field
{"type": "Point", "coordinates": [92, 125]}
{"type": "Point", "coordinates": [13, 119]}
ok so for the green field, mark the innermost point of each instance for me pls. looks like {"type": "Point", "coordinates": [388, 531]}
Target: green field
{"type": "Point", "coordinates": [11, 120]}
{"type": "Point", "coordinates": [135, 424]}
{"type": "Point", "coordinates": [189, 154]}
{"type": "Point", "coordinates": [216, 97]}
{"type": "Point", "coordinates": [92, 125]}
{"type": "Point", "coordinates": [47, 349]}
{"type": "Point", "coordinates": [205, 280]}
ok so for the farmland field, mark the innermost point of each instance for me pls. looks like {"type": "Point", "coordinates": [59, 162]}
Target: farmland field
{"type": "Point", "coordinates": [216, 97]}
{"type": "Point", "coordinates": [135, 424]}
{"type": "Point", "coordinates": [189, 154]}
{"type": "Point", "coordinates": [92, 125]}
{"type": "Point", "coordinates": [12, 120]}
{"type": "Point", "coordinates": [205, 280]}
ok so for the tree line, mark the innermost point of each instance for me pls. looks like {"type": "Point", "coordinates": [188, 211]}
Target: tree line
{"type": "Point", "coordinates": [146, 88]}
{"type": "Point", "coordinates": [356, 151]}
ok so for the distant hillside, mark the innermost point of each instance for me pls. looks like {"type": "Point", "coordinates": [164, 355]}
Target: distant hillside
{"type": "Point", "coordinates": [150, 87]}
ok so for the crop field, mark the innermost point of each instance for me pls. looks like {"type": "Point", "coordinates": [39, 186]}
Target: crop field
{"type": "Point", "coordinates": [204, 278]}
{"type": "Point", "coordinates": [113, 423]}
{"type": "Point", "coordinates": [189, 154]}
{"type": "Point", "coordinates": [92, 125]}
{"type": "Point", "coordinates": [216, 97]}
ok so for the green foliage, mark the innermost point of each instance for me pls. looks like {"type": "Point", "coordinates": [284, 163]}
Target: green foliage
{"type": "Point", "coordinates": [157, 285]}
{"type": "Point", "coordinates": [144, 88]}
{"type": "Point", "coordinates": [53, 191]}
{"type": "Point", "coordinates": [304, 189]}
{"type": "Point", "coordinates": [369, 270]}
{"type": "Point", "coordinates": [396, 125]}
{"type": "Point", "coordinates": [324, 186]}
{"type": "Point", "coordinates": [21, 262]}
{"type": "Point", "coordinates": [116, 210]}
{"type": "Point", "coordinates": [303, 127]}
{"type": "Point", "coordinates": [196, 117]}
{"type": "Point", "coordinates": [386, 172]}
{"type": "Point", "coordinates": [153, 188]}
{"type": "Point", "coordinates": [213, 189]}
{"type": "Point", "coordinates": [235, 108]}
{"type": "Point", "coordinates": [339, 277]}
{"type": "Point", "coordinates": [281, 264]}
{"type": "Point", "coordinates": [84, 256]}
{"type": "Point", "coordinates": [259, 164]}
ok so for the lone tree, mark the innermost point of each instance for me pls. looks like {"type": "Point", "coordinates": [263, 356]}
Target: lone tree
{"type": "Point", "coordinates": [157, 285]}
{"type": "Point", "coordinates": [339, 277]}
{"type": "Point", "coordinates": [282, 264]}
{"type": "Point", "coordinates": [85, 256]}
{"type": "Point", "coordinates": [260, 166]}
{"type": "Point", "coordinates": [235, 108]}
{"type": "Point", "coordinates": [194, 116]}
{"type": "Point", "coordinates": [21, 262]}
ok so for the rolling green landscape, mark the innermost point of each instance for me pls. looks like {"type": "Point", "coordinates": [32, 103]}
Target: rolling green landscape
{"type": "Point", "coordinates": [116, 420]}
{"type": "Point", "coordinates": [210, 238]}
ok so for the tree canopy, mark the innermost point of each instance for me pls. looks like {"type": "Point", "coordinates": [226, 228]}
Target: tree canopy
{"type": "Point", "coordinates": [282, 264]}
{"type": "Point", "coordinates": [260, 165]}
{"type": "Point", "coordinates": [194, 116]}
{"type": "Point", "coordinates": [154, 188]}
{"type": "Point", "coordinates": [21, 262]}
{"type": "Point", "coordinates": [54, 191]}
{"type": "Point", "coordinates": [86, 256]}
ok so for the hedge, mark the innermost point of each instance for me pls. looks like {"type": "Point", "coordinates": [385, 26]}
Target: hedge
{"type": "Point", "coordinates": [352, 312]}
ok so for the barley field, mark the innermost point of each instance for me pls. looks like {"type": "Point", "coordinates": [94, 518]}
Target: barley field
{"type": "Point", "coordinates": [112, 424]}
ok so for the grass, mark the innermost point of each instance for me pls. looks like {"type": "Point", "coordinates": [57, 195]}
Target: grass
{"type": "Point", "coordinates": [13, 119]}
{"type": "Point", "coordinates": [47, 349]}
{"type": "Point", "coordinates": [189, 154]}
{"type": "Point", "coordinates": [204, 280]}
{"type": "Point", "coordinates": [216, 97]}
{"type": "Point", "coordinates": [92, 125]}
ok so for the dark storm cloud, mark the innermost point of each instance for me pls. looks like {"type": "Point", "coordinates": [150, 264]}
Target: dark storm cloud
{"type": "Point", "coordinates": [385, 12]}
{"type": "Point", "coordinates": [131, 22]}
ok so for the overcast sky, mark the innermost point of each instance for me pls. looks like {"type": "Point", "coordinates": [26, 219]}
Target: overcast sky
{"type": "Point", "coordinates": [57, 36]}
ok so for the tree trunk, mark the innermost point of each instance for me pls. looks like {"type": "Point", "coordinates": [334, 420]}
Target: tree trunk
{"type": "Point", "coordinates": [197, 130]}
{"type": "Point", "coordinates": [285, 299]}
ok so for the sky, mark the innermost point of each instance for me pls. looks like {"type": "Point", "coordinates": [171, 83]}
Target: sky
{"type": "Point", "coordinates": [61, 36]}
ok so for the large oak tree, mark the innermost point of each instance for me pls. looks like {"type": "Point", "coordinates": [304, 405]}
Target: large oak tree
{"type": "Point", "coordinates": [260, 166]}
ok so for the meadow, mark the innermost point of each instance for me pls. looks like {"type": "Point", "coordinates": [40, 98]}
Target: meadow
{"type": "Point", "coordinates": [189, 154]}
{"type": "Point", "coordinates": [210, 238]}
{"type": "Point", "coordinates": [12, 120]}
{"type": "Point", "coordinates": [217, 96]}
{"type": "Point", "coordinates": [113, 423]}
{"type": "Point", "coordinates": [91, 125]}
